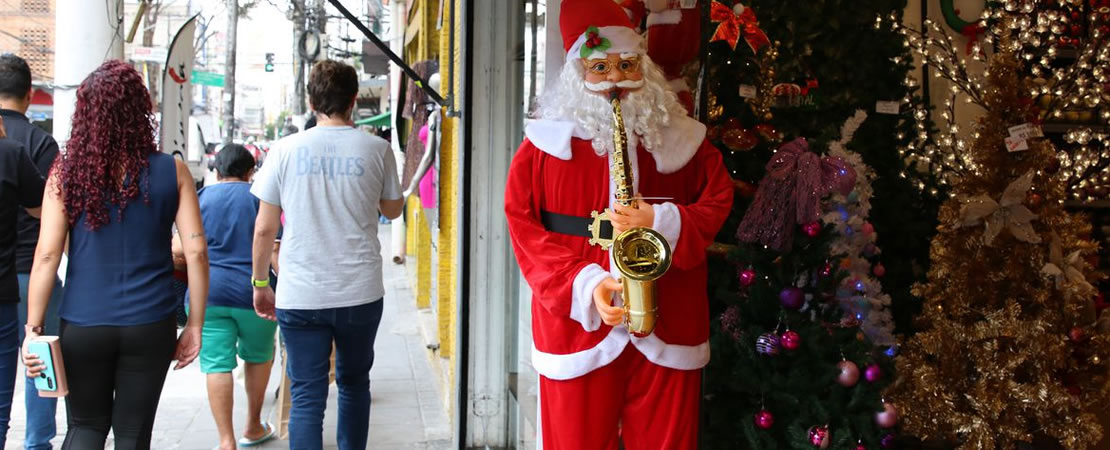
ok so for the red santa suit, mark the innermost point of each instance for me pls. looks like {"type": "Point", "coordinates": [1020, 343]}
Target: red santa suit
{"type": "Point", "coordinates": [598, 384]}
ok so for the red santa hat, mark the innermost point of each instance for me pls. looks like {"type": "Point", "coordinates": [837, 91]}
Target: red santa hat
{"type": "Point", "coordinates": [593, 28]}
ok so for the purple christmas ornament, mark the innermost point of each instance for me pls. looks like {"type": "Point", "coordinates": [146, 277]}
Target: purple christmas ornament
{"type": "Point", "coordinates": [792, 298]}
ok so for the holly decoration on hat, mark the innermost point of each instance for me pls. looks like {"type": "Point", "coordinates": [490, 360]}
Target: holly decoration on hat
{"type": "Point", "coordinates": [594, 43]}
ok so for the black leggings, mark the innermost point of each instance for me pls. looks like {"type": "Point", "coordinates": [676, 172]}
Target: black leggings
{"type": "Point", "coordinates": [115, 377]}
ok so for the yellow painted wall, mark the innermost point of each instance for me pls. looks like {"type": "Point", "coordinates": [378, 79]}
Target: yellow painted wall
{"type": "Point", "coordinates": [431, 42]}
{"type": "Point", "coordinates": [449, 188]}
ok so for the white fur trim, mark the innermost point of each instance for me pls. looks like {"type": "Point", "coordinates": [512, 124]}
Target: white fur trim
{"type": "Point", "coordinates": [621, 40]}
{"type": "Point", "coordinates": [574, 365]}
{"type": "Point", "coordinates": [681, 140]}
{"type": "Point", "coordinates": [551, 136]}
{"type": "Point", "coordinates": [582, 308]}
{"type": "Point", "coordinates": [668, 222]}
{"type": "Point", "coordinates": [668, 17]}
{"type": "Point", "coordinates": [678, 85]}
{"type": "Point", "coordinates": [681, 357]}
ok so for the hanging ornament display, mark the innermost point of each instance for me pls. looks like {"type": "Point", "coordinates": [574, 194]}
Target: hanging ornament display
{"type": "Point", "coordinates": [767, 344]}
{"type": "Point", "coordinates": [792, 298]}
{"type": "Point", "coordinates": [790, 340]}
{"type": "Point", "coordinates": [819, 436]}
{"type": "Point", "coordinates": [849, 373]}
{"type": "Point", "coordinates": [764, 419]}
{"type": "Point", "coordinates": [888, 417]}
{"type": "Point", "coordinates": [873, 373]}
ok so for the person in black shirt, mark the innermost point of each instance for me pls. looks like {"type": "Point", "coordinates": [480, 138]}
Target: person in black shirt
{"type": "Point", "coordinates": [15, 98]}
{"type": "Point", "coordinates": [21, 187]}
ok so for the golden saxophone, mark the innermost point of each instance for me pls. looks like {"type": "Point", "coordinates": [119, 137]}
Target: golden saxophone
{"type": "Point", "coordinates": [641, 254]}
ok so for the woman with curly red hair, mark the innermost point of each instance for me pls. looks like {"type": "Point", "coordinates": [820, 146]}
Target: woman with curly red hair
{"type": "Point", "coordinates": [116, 198]}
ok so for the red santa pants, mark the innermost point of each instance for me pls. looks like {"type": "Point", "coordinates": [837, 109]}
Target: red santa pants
{"type": "Point", "coordinates": [649, 407]}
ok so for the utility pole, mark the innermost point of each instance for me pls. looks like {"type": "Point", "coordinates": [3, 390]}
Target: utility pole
{"type": "Point", "coordinates": [229, 71]}
{"type": "Point", "coordinates": [153, 69]}
{"type": "Point", "coordinates": [297, 15]}
{"type": "Point", "coordinates": [85, 36]}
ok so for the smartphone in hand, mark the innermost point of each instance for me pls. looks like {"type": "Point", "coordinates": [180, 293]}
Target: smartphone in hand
{"type": "Point", "coordinates": [51, 382]}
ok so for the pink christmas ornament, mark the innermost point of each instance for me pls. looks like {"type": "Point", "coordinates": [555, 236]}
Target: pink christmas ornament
{"type": "Point", "coordinates": [747, 277]}
{"type": "Point", "coordinates": [873, 373]}
{"type": "Point", "coordinates": [790, 340]}
{"type": "Point", "coordinates": [812, 229]}
{"type": "Point", "coordinates": [888, 417]}
{"type": "Point", "coordinates": [819, 436]}
{"type": "Point", "coordinates": [764, 419]}
{"type": "Point", "coordinates": [849, 373]}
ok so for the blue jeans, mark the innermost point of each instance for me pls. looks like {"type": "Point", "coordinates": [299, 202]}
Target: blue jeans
{"type": "Point", "coordinates": [308, 336]}
{"type": "Point", "coordinates": [41, 427]}
{"type": "Point", "coordinates": [9, 362]}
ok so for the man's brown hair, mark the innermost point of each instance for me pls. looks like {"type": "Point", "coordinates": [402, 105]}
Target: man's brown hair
{"type": "Point", "coordinates": [332, 86]}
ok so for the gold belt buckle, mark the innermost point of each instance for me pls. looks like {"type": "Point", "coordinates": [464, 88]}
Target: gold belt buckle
{"type": "Point", "coordinates": [595, 230]}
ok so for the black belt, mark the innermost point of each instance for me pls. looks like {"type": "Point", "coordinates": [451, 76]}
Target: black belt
{"type": "Point", "coordinates": [573, 225]}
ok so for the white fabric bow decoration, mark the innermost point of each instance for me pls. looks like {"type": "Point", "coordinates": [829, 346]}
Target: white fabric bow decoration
{"type": "Point", "coordinates": [1068, 268]}
{"type": "Point", "coordinates": [1007, 213]}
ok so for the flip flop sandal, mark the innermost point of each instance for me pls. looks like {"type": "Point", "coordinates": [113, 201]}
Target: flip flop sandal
{"type": "Point", "coordinates": [244, 442]}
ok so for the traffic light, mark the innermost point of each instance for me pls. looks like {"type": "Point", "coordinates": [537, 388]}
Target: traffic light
{"type": "Point", "coordinates": [269, 62]}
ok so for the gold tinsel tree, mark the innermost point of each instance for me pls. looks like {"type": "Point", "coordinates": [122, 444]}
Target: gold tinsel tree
{"type": "Point", "coordinates": [1008, 347]}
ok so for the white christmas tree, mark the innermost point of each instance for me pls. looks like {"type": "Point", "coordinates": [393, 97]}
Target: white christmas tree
{"type": "Point", "coordinates": [860, 294]}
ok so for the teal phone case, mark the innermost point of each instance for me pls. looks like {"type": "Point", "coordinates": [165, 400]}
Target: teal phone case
{"type": "Point", "coordinates": [47, 380]}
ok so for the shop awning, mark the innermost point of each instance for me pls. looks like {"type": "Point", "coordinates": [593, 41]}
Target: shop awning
{"type": "Point", "coordinates": [380, 120]}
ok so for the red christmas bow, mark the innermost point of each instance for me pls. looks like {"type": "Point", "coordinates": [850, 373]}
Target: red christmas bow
{"type": "Point", "coordinates": [732, 24]}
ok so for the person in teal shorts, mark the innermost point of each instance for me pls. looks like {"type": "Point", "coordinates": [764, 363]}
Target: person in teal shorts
{"type": "Point", "coordinates": [231, 327]}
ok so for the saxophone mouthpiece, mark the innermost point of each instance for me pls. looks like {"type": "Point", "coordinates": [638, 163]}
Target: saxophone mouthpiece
{"type": "Point", "coordinates": [615, 94]}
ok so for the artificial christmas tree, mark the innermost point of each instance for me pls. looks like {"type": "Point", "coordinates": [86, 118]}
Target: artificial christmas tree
{"type": "Point", "coordinates": [797, 371]}
{"type": "Point", "coordinates": [792, 367]}
{"type": "Point", "coordinates": [1008, 351]}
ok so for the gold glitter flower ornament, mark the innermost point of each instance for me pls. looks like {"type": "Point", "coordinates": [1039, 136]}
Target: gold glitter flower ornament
{"type": "Point", "coordinates": [1067, 269]}
{"type": "Point", "coordinates": [1007, 213]}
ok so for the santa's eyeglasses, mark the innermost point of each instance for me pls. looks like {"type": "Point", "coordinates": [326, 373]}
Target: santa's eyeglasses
{"type": "Point", "coordinates": [604, 66]}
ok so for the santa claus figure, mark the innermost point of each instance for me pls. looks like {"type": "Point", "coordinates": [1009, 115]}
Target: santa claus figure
{"type": "Point", "coordinates": [600, 385]}
{"type": "Point", "coordinates": [673, 38]}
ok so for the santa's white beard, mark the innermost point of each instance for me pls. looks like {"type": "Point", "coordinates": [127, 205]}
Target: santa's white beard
{"type": "Point", "coordinates": [646, 111]}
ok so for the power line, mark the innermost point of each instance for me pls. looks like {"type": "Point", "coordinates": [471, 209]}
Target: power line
{"type": "Point", "coordinates": [29, 42]}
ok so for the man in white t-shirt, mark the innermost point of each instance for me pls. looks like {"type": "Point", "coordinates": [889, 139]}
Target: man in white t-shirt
{"type": "Point", "coordinates": [331, 182]}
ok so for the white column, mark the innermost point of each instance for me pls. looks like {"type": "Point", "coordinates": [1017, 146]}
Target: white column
{"type": "Point", "coordinates": [86, 33]}
{"type": "Point", "coordinates": [494, 109]}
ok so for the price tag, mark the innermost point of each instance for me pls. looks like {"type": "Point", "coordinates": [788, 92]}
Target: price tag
{"type": "Point", "coordinates": [748, 91]}
{"type": "Point", "coordinates": [1014, 144]}
{"type": "Point", "coordinates": [1025, 131]}
{"type": "Point", "coordinates": [886, 107]}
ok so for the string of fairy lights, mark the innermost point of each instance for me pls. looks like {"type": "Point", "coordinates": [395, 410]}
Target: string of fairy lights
{"type": "Point", "coordinates": [1066, 52]}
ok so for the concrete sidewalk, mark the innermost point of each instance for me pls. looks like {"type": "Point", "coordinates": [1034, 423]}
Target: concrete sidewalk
{"type": "Point", "coordinates": [406, 413]}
